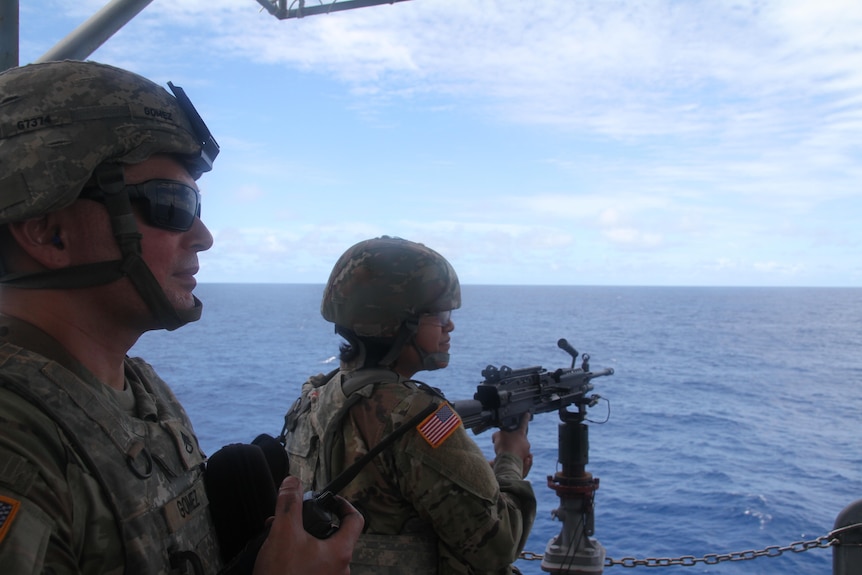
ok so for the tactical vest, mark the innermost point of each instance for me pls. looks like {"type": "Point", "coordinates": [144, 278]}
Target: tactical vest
{"type": "Point", "coordinates": [167, 532]}
{"type": "Point", "coordinates": [315, 448]}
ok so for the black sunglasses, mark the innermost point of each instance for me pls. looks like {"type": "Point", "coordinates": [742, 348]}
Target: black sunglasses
{"type": "Point", "coordinates": [171, 205]}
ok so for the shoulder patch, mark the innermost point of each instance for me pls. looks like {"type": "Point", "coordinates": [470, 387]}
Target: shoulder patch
{"type": "Point", "coordinates": [438, 426]}
{"type": "Point", "coordinates": [8, 509]}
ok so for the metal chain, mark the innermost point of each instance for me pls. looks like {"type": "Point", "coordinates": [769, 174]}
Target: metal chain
{"type": "Point", "coordinates": [821, 542]}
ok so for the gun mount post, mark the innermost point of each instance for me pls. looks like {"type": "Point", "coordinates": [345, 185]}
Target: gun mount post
{"type": "Point", "coordinates": [503, 398]}
{"type": "Point", "coordinates": [573, 550]}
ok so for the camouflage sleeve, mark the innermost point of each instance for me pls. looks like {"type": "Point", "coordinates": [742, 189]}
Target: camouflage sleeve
{"type": "Point", "coordinates": [50, 519]}
{"type": "Point", "coordinates": [481, 515]}
{"type": "Point", "coordinates": [509, 470]}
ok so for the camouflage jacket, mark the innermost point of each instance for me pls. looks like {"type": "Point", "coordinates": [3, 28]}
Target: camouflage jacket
{"type": "Point", "coordinates": [478, 517]}
{"type": "Point", "coordinates": [89, 484]}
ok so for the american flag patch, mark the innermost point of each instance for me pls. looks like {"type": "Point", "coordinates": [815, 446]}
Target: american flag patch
{"type": "Point", "coordinates": [439, 425]}
{"type": "Point", "coordinates": [8, 509]}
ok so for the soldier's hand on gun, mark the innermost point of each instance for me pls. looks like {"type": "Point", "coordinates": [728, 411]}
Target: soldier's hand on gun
{"type": "Point", "coordinates": [515, 442]}
{"type": "Point", "coordinates": [291, 550]}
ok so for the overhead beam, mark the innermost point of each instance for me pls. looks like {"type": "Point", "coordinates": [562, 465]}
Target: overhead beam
{"type": "Point", "coordinates": [86, 38]}
{"type": "Point", "coordinates": [280, 10]}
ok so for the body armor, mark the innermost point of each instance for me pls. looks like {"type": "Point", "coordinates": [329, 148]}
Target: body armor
{"type": "Point", "coordinates": [315, 449]}
{"type": "Point", "coordinates": [167, 531]}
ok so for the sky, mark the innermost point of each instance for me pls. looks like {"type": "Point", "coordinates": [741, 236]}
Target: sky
{"type": "Point", "coordinates": [563, 142]}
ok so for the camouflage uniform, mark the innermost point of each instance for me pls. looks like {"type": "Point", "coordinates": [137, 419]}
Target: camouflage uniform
{"type": "Point", "coordinates": [93, 480]}
{"type": "Point", "coordinates": [134, 505]}
{"type": "Point", "coordinates": [478, 518]}
{"type": "Point", "coordinates": [427, 509]}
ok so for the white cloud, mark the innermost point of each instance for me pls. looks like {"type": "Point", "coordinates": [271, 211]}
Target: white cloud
{"type": "Point", "coordinates": [673, 135]}
{"type": "Point", "coordinates": [632, 238]}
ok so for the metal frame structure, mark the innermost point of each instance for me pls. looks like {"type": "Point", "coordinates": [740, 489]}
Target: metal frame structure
{"type": "Point", "coordinates": [297, 8]}
{"type": "Point", "coordinates": [87, 37]}
{"type": "Point", "coordinates": [80, 43]}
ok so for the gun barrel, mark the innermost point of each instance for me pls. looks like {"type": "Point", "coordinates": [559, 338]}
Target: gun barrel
{"type": "Point", "coordinates": [601, 372]}
{"type": "Point", "coordinates": [471, 412]}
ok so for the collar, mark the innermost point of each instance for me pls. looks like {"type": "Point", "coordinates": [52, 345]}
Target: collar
{"type": "Point", "coordinates": [28, 336]}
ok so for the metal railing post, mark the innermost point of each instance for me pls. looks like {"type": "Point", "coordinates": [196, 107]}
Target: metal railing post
{"type": "Point", "coordinates": [847, 555]}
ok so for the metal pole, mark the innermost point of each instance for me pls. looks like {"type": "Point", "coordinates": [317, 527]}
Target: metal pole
{"type": "Point", "coordinates": [8, 34]}
{"type": "Point", "coordinates": [87, 37]}
{"type": "Point", "coordinates": [573, 550]}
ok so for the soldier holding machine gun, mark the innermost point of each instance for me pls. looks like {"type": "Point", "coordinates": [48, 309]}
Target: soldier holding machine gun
{"type": "Point", "coordinates": [431, 502]}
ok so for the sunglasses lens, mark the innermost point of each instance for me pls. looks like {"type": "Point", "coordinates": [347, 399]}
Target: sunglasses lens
{"type": "Point", "coordinates": [440, 318]}
{"type": "Point", "coordinates": [173, 205]}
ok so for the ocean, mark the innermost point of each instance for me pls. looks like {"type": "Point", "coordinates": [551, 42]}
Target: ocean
{"type": "Point", "coordinates": [732, 422]}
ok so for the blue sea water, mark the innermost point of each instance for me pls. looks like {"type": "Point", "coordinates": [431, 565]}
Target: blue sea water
{"type": "Point", "coordinates": [732, 422]}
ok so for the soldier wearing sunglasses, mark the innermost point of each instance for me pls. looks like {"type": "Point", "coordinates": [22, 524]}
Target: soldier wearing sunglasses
{"type": "Point", "coordinates": [431, 502]}
{"type": "Point", "coordinates": [100, 468]}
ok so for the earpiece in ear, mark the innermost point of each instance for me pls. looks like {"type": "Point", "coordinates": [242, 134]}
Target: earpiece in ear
{"type": "Point", "coordinates": [57, 241]}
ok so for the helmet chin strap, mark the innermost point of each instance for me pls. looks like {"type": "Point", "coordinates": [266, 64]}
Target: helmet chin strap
{"type": "Point", "coordinates": [125, 229]}
{"type": "Point", "coordinates": [431, 361]}
{"type": "Point", "coordinates": [407, 335]}
{"type": "Point", "coordinates": [109, 178]}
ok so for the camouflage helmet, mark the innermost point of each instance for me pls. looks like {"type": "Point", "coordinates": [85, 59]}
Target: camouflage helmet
{"type": "Point", "coordinates": [60, 120]}
{"type": "Point", "coordinates": [378, 284]}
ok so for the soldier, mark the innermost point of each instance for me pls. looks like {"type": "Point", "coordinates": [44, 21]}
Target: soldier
{"type": "Point", "coordinates": [100, 469]}
{"type": "Point", "coordinates": [431, 502]}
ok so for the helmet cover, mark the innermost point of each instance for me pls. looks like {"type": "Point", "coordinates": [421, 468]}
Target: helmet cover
{"type": "Point", "coordinates": [60, 120]}
{"type": "Point", "coordinates": [378, 284]}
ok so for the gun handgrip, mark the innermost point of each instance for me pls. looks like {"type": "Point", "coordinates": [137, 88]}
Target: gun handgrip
{"type": "Point", "coordinates": [510, 423]}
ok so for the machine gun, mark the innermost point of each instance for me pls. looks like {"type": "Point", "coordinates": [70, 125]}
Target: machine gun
{"type": "Point", "coordinates": [502, 400]}
{"type": "Point", "coordinates": [506, 394]}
